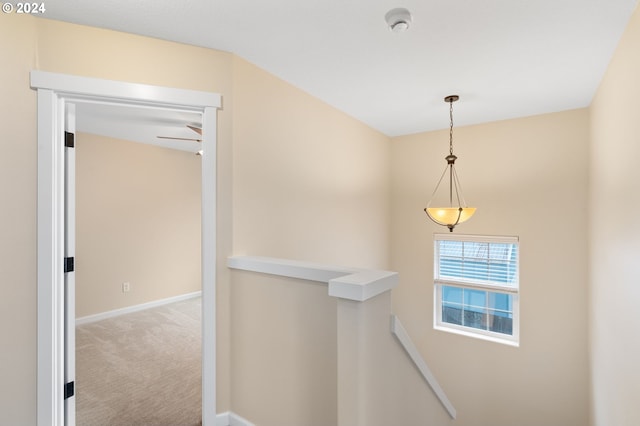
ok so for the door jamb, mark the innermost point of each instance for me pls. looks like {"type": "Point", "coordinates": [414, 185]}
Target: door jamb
{"type": "Point", "coordinates": [53, 92]}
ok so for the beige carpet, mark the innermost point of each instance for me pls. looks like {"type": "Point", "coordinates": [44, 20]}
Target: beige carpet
{"type": "Point", "coordinates": [141, 368]}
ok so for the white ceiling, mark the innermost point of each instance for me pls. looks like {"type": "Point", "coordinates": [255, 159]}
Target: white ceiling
{"type": "Point", "coordinates": [140, 124]}
{"type": "Point", "coordinates": [505, 58]}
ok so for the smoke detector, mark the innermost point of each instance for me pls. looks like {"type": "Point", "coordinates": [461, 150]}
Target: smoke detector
{"type": "Point", "coordinates": [398, 19]}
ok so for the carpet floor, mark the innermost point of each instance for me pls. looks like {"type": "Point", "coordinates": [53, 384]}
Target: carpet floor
{"type": "Point", "coordinates": [142, 368]}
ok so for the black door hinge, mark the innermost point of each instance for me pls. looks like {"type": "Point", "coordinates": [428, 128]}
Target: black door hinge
{"type": "Point", "coordinates": [69, 264]}
{"type": "Point", "coordinates": [69, 140]}
{"type": "Point", "coordinates": [69, 390]}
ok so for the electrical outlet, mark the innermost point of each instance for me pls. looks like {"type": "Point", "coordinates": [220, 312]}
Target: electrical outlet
{"type": "Point", "coordinates": [126, 287]}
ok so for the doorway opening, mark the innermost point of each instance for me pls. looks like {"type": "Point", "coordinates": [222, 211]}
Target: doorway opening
{"type": "Point", "coordinates": [137, 282]}
{"type": "Point", "coordinates": [62, 99]}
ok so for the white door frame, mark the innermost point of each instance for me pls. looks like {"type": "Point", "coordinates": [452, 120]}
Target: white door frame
{"type": "Point", "coordinates": [55, 92]}
{"type": "Point", "coordinates": [70, 252]}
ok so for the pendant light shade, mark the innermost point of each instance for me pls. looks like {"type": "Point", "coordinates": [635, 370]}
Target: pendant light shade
{"type": "Point", "coordinates": [450, 216]}
{"type": "Point", "coordinates": [457, 211]}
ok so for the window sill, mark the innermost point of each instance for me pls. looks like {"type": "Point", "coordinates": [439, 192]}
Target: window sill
{"type": "Point", "coordinates": [507, 342]}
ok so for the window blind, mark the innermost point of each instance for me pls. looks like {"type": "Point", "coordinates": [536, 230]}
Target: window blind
{"type": "Point", "coordinates": [477, 260]}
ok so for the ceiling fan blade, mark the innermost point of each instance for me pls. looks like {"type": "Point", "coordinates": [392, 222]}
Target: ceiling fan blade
{"type": "Point", "coordinates": [179, 139]}
{"type": "Point", "coordinates": [198, 130]}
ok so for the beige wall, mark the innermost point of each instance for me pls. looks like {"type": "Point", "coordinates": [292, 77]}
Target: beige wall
{"type": "Point", "coordinates": [17, 223]}
{"type": "Point", "coordinates": [615, 237]}
{"type": "Point", "coordinates": [521, 175]}
{"type": "Point", "coordinates": [284, 351]}
{"type": "Point", "coordinates": [137, 220]}
{"type": "Point", "coordinates": [311, 184]}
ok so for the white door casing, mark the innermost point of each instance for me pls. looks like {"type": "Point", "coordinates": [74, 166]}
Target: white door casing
{"type": "Point", "coordinates": [69, 269]}
{"type": "Point", "coordinates": [57, 96]}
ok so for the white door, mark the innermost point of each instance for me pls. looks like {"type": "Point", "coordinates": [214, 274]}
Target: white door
{"type": "Point", "coordinates": [69, 266]}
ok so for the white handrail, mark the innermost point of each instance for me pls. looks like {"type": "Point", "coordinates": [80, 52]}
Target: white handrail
{"type": "Point", "coordinates": [403, 337]}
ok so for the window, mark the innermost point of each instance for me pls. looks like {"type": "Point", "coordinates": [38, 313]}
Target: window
{"type": "Point", "coordinates": [476, 286]}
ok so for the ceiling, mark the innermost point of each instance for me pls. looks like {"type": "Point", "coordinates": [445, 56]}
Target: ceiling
{"type": "Point", "coordinates": [166, 128]}
{"type": "Point", "coordinates": [505, 58]}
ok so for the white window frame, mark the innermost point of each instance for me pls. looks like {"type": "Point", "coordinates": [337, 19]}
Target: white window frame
{"type": "Point", "coordinates": [513, 291]}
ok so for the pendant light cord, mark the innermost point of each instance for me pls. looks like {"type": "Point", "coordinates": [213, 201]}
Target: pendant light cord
{"type": "Point", "coordinates": [451, 127]}
{"type": "Point", "coordinates": [451, 181]}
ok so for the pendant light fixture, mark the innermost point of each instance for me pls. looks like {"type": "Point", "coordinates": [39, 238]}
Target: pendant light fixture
{"type": "Point", "coordinates": [457, 211]}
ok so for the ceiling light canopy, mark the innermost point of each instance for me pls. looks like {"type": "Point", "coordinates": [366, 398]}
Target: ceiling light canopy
{"type": "Point", "coordinates": [453, 214]}
{"type": "Point", "coordinates": [398, 19]}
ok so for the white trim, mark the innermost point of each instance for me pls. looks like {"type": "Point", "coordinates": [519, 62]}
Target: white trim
{"type": "Point", "coordinates": [345, 283]}
{"type": "Point", "coordinates": [403, 337]}
{"type": "Point", "coordinates": [231, 419]}
{"type": "Point", "coordinates": [480, 334]}
{"type": "Point", "coordinates": [54, 92]}
{"type": "Point", "coordinates": [50, 252]}
{"type": "Point", "coordinates": [476, 285]}
{"type": "Point", "coordinates": [135, 308]}
{"type": "Point", "coordinates": [209, 262]}
{"type": "Point", "coordinates": [70, 252]}
{"type": "Point", "coordinates": [80, 87]}
{"type": "Point", "coordinates": [222, 419]}
{"type": "Point", "coordinates": [510, 239]}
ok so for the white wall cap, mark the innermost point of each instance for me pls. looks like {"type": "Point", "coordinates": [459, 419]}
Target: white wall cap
{"type": "Point", "coordinates": [346, 283]}
{"type": "Point", "coordinates": [363, 285]}
{"type": "Point", "coordinates": [289, 268]}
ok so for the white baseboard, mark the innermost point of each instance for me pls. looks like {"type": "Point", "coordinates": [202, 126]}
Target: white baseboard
{"type": "Point", "coordinates": [135, 308]}
{"type": "Point", "coordinates": [231, 419]}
